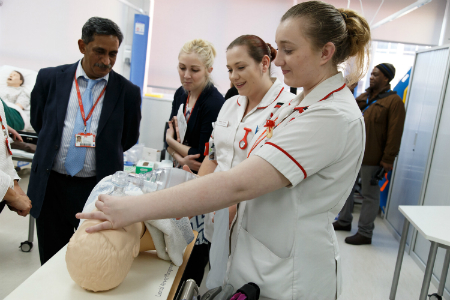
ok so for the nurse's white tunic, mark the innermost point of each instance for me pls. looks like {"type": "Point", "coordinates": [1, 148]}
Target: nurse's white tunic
{"type": "Point", "coordinates": [286, 242]}
{"type": "Point", "coordinates": [229, 130]}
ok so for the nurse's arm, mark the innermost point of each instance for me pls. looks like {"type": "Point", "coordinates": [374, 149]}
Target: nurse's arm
{"type": "Point", "coordinates": [248, 180]}
{"type": "Point", "coordinates": [208, 166]}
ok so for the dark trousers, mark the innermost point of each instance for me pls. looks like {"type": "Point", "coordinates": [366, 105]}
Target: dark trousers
{"type": "Point", "coordinates": [65, 196]}
{"type": "Point", "coordinates": [370, 205]}
{"type": "Point", "coordinates": [195, 268]}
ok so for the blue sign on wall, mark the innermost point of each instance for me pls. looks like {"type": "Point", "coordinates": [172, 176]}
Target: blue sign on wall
{"type": "Point", "coordinates": [402, 86]}
{"type": "Point", "coordinates": [139, 50]}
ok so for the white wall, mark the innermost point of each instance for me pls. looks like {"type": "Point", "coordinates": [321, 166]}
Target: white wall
{"type": "Point", "coordinates": [41, 33]}
{"type": "Point", "coordinates": [176, 22]}
{"type": "Point", "coordinates": [220, 22]}
{"type": "Point", "coordinates": [421, 26]}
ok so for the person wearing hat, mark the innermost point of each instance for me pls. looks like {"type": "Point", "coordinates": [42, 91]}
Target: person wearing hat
{"type": "Point", "coordinates": [384, 115]}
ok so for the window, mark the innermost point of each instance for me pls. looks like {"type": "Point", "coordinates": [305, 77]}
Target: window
{"type": "Point", "coordinates": [400, 55]}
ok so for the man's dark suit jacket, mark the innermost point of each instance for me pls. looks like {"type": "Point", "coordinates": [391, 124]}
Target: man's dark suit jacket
{"type": "Point", "coordinates": [118, 128]}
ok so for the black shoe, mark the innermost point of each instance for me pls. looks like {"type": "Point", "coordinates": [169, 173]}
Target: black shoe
{"type": "Point", "coordinates": [358, 239]}
{"type": "Point", "coordinates": [338, 226]}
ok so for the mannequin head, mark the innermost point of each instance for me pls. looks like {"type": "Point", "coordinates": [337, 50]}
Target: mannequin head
{"type": "Point", "coordinates": [101, 261]}
{"type": "Point", "coordinates": [15, 79]}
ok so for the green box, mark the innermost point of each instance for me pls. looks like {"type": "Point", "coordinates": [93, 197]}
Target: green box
{"type": "Point", "coordinates": [144, 167]}
{"type": "Point", "coordinates": [129, 169]}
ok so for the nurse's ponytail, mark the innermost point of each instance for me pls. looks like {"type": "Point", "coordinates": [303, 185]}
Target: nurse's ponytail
{"type": "Point", "coordinates": [256, 47]}
{"type": "Point", "coordinates": [345, 28]}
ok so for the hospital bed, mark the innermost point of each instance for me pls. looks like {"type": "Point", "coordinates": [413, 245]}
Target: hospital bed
{"type": "Point", "coordinates": [22, 157]}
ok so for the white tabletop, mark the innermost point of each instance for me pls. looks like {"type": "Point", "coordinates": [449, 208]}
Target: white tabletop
{"type": "Point", "coordinates": [149, 278]}
{"type": "Point", "coordinates": [433, 222]}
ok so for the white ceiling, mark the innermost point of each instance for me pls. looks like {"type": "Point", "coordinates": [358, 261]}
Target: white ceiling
{"type": "Point", "coordinates": [421, 26]}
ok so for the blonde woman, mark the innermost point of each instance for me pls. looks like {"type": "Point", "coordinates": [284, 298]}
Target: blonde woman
{"type": "Point", "coordinates": [201, 104]}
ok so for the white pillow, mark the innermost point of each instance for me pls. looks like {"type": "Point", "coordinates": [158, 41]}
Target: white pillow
{"type": "Point", "coordinates": [29, 77]}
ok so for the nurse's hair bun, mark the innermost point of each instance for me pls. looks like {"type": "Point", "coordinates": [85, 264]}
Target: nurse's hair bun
{"type": "Point", "coordinates": [256, 47]}
{"type": "Point", "coordinates": [272, 51]}
{"type": "Point", "coordinates": [356, 43]}
{"type": "Point", "coordinates": [345, 28]}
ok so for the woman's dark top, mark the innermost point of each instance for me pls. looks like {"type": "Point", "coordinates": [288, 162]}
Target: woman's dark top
{"type": "Point", "coordinates": [231, 93]}
{"type": "Point", "coordinates": [205, 112]}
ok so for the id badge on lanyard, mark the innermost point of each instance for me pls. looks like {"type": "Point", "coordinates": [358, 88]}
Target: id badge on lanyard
{"type": "Point", "coordinates": [84, 139]}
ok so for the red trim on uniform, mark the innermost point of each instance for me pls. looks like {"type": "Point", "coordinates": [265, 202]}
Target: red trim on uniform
{"type": "Point", "coordinates": [277, 106]}
{"type": "Point", "coordinates": [272, 101]}
{"type": "Point", "coordinates": [258, 140]}
{"type": "Point", "coordinates": [237, 101]}
{"type": "Point", "coordinates": [291, 119]}
{"type": "Point", "coordinates": [288, 155]}
{"type": "Point", "coordinates": [300, 109]}
{"type": "Point", "coordinates": [333, 92]}
{"type": "Point", "coordinates": [324, 98]}
{"type": "Point", "coordinates": [206, 149]}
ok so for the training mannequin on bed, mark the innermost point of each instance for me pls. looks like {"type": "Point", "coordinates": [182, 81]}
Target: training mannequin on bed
{"type": "Point", "coordinates": [109, 253]}
{"type": "Point", "coordinates": [15, 101]}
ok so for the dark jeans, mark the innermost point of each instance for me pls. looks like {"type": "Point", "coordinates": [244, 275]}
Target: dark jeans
{"type": "Point", "coordinates": [65, 196]}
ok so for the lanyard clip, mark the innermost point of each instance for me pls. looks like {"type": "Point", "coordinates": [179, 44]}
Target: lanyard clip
{"type": "Point", "coordinates": [84, 128]}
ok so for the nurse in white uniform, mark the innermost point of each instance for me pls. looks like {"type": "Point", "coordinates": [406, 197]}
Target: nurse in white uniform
{"type": "Point", "coordinates": [242, 116]}
{"type": "Point", "coordinates": [297, 177]}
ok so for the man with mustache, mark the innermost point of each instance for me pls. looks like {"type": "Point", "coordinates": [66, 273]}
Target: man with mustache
{"type": "Point", "coordinates": [85, 101]}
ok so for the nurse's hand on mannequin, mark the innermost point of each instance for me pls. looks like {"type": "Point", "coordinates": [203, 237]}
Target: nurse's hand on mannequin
{"type": "Point", "coordinates": [113, 211]}
{"type": "Point", "coordinates": [15, 135]}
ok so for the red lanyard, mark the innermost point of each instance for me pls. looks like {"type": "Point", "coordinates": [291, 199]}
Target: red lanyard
{"type": "Point", "coordinates": [300, 110]}
{"type": "Point", "coordinates": [185, 107]}
{"type": "Point", "coordinates": [80, 102]}
{"type": "Point", "coordinates": [6, 134]}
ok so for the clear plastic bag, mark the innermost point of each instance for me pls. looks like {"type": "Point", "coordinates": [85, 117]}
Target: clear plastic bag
{"type": "Point", "coordinates": [134, 154]}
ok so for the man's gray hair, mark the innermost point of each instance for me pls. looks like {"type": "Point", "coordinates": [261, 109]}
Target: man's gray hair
{"type": "Point", "coordinates": [100, 26]}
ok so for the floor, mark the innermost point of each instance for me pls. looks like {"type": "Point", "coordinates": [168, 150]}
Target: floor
{"type": "Point", "coordinates": [367, 270]}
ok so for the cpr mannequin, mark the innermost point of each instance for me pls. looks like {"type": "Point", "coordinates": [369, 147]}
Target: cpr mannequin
{"type": "Point", "coordinates": [101, 261]}
{"type": "Point", "coordinates": [17, 101]}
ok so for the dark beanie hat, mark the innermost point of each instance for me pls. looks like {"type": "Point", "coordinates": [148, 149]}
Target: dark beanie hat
{"type": "Point", "coordinates": [387, 69]}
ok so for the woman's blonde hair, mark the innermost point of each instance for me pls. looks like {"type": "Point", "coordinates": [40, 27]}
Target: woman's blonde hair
{"type": "Point", "coordinates": [345, 28]}
{"type": "Point", "coordinates": [206, 52]}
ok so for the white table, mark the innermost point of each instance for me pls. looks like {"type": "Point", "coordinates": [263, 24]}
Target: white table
{"type": "Point", "coordinates": [433, 222]}
{"type": "Point", "coordinates": [149, 278]}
